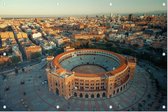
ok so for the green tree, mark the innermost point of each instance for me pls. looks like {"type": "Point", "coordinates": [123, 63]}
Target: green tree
{"type": "Point", "coordinates": [35, 55]}
{"type": "Point", "coordinates": [15, 59]}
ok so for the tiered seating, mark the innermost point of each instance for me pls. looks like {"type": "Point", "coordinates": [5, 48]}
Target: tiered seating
{"type": "Point", "coordinates": [106, 62]}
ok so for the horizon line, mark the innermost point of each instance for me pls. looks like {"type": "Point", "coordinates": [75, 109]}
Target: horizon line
{"type": "Point", "coordinates": [65, 15]}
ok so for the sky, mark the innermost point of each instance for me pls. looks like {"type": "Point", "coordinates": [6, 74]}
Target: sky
{"type": "Point", "coordinates": [78, 7]}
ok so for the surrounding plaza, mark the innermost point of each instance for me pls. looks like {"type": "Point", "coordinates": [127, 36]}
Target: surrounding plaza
{"type": "Point", "coordinates": [28, 90]}
{"type": "Point", "coordinates": [64, 81]}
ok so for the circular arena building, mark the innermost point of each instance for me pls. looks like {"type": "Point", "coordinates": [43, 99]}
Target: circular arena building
{"type": "Point", "coordinates": [89, 73]}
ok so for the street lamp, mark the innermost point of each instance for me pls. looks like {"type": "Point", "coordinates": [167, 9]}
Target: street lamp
{"type": "Point", "coordinates": [57, 107]}
{"type": "Point", "coordinates": [4, 106]}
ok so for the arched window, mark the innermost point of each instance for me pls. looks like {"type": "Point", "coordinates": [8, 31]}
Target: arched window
{"type": "Point", "coordinates": [57, 91]}
{"type": "Point", "coordinates": [117, 90]}
{"type": "Point", "coordinates": [98, 95]}
{"type": "Point", "coordinates": [104, 94]}
{"type": "Point", "coordinates": [92, 96]}
{"type": "Point", "coordinates": [121, 89]}
{"type": "Point", "coordinates": [75, 94]}
{"type": "Point", "coordinates": [113, 92]}
{"type": "Point", "coordinates": [86, 96]}
{"type": "Point", "coordinates": [81, 95]}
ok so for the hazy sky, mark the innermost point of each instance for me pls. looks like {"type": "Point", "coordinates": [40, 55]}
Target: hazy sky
{"type": "Point", "coordinates": [77, 7]}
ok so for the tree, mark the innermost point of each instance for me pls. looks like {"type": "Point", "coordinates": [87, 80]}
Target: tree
{"type": "Point", "coordinates": [51, 51]}
{"type": "Point", "coordinates": [23, 69]}
{"type": "Point", "coordinates": [16, 70]}
{"type": "Point", "coordinates": [149, 96]}
{"type": "Point", "coordinates": [15, 59]}
{"type": "Point", "coordinates": [35, 55]}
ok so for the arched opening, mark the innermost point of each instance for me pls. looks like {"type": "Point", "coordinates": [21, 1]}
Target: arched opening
{"type": "Point", "coordinates": [81, 95]}
{"type": "Point", "coordinates": [117, 90]}
{"type": "Point", "coordinates": [98, 95]}
{"type": "Point", "coordinates": [104, 94]}
{"type": "Point", "coordinates": [113, 92]}
{"type": "Point", "coordinates": [57, 91]}
{"type": "Point", "coordinates": [121, 89]}
{"type": "Point", "coordinates": [92, 96]}
{"type": "Point", "coordinates": [86, 96]}
{"type": "Point", "coordinates": [75, 94]}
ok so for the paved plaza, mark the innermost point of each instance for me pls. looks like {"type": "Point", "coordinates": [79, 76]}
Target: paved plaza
{"type": "Point", "coordinates": [28, 90]}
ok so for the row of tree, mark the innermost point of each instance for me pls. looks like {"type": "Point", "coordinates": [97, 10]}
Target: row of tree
{"type": "Point", "coordinates": [158, 60]}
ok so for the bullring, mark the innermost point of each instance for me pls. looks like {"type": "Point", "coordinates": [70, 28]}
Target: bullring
{"type": "Point", "coordinates": [89, 73]}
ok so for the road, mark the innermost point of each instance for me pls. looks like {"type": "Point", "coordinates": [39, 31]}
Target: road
{"type": "Point", "coordinates": [20, 47]}
{"type": "Point", "coordinates": [19, 66]}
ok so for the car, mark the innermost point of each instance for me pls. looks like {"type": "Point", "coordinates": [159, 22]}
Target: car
{"type": "Point", "coordinates": [42, 83]}
{"type": "Point", "coordinates": [45, 81]}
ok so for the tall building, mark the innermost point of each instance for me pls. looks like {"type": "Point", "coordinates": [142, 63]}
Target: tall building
{"type": "Point", "coordinates": [130, 17]}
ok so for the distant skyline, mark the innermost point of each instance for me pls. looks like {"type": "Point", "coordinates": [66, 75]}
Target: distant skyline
{"type": "Point", "coordinates": [77, 7]}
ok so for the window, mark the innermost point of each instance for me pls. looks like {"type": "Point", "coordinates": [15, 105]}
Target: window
{"type": "Point", "coordinates": [92, 96]}
{"type": "Point", "coordinates": [98, 95]}
{"type": "Point", "coordinates": [92, 87]}
{"type": "Point", "coordinates": [86, 87]}
{"type": "Point", "coordinates": [103, 95]}
{"type": "Point", "coordinates": [57, 91]}
{"type": "Point", "coordinates": [117, 90]}
{"type": "Point", "coordinates": [75, 94]}
{"type": "Point", "coordinates": [81, 83]}
{"type": "Point", "coordinates": [121, 88]}
{"type": "Point", "coordinates": [86, 96]}
{"type": "Point", "coordinates": [81, 95]}
{"type": "Point", "coordinates": [113, 92]}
